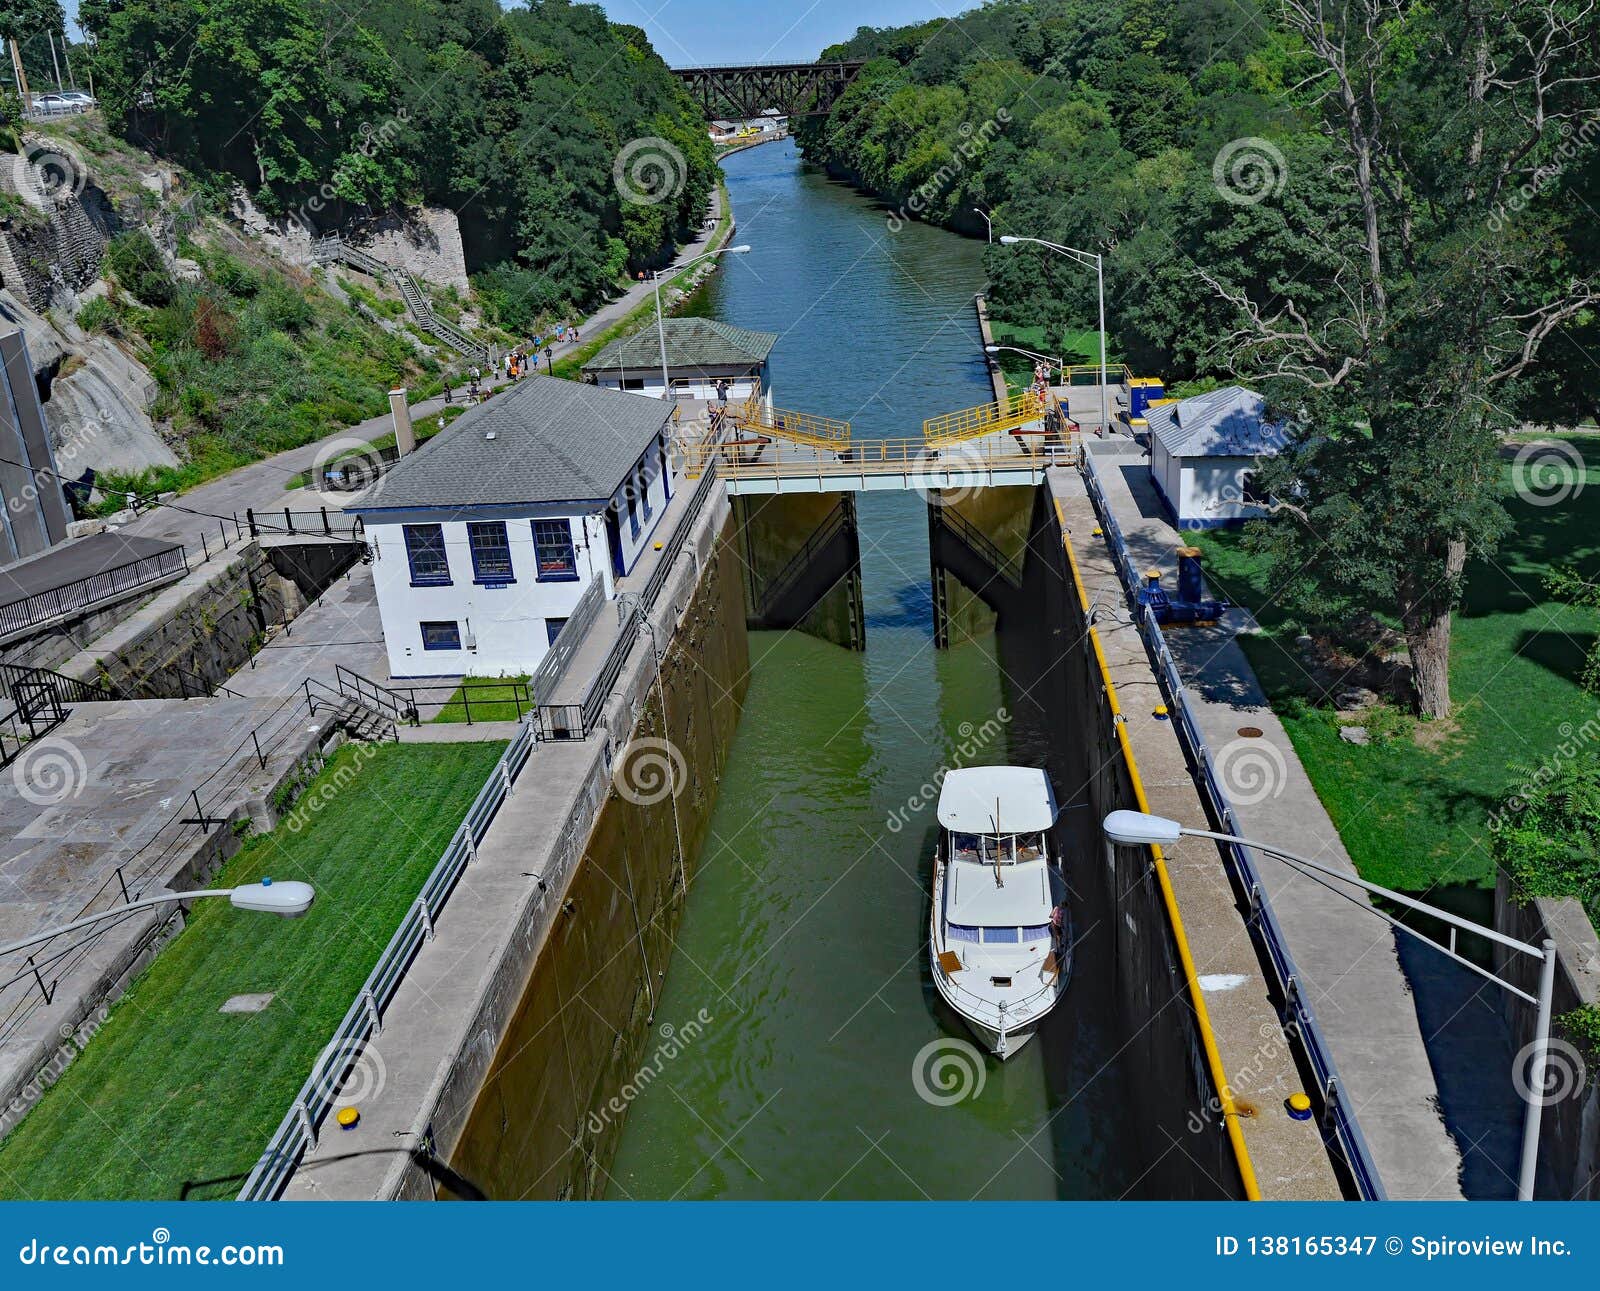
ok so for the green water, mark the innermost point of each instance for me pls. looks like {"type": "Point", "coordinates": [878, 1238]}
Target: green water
{"type": "Point", "coordinates": [804, 941]}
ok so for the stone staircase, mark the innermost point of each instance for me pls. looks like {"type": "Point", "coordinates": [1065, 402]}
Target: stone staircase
{"type": "Point", "coordinates": [365, 724]}
{"type": "Point", "coordinates": [331, 250]}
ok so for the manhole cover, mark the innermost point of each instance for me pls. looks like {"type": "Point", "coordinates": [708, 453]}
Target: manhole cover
{"type": "Point", "coordinates": [1250, 732]}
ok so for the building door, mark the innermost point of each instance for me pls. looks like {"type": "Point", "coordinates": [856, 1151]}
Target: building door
{"type": "Point", "coordinates": [614, 541]}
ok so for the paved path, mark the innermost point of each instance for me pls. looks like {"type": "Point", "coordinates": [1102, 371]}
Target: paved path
{"type": "Point", "coordinates": [1416, 1041]}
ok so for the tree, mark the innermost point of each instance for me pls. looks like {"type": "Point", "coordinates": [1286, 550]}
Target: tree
{"type": "Point", "coordinates": [1456, 135]}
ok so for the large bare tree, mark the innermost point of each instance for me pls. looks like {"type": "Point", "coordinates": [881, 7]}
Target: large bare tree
{"type": "Point", "coordinates": [1461, 140]}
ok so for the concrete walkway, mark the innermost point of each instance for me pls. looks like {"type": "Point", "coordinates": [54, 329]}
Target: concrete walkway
{"type": "Point", "coordinates": [1413, 1036]}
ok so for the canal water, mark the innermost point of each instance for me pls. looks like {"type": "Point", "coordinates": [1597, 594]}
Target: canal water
{"type": "Point", "coordinates": [807, 1054]}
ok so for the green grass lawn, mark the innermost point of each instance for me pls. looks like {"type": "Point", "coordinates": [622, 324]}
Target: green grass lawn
{"type": "Point", "coordinates": [173, 1099]}
{"type": "Point", "coordinates": [493, 699]}
{"type": "Point", "coordinates": [1413, 810]}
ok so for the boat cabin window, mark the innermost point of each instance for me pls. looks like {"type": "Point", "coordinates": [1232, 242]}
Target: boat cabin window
{"type": "Point", "coordinates": [984, 847]}
{"type": "Point", "coordinates": [1006, 936]}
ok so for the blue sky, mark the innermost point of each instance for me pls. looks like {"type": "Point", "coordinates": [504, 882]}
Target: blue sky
{"type": "Point", "coordinates": [686, 32]}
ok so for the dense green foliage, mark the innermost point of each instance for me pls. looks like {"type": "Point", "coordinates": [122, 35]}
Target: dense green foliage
{"type": "Point", "coordinates": [175, 1099]}
{"type": "Point", "coordinates": [1375, 211]}
{"type": "Point", "coordinates": [1547, 834]}
{"type": "Point", "coordinates": [1414, 808]}
{"type": "Point", "coordinates": [514, 119]}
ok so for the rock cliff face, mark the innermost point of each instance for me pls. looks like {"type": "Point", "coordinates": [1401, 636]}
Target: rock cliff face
{"type": "Point", "coordinates": [426, 241]}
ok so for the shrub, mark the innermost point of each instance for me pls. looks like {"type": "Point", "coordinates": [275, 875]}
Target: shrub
{"type": "Point", "coordinates": [100, 315]}
{"type": "Point", "coordinates": [1582, 1028]}
{"type": "Point", "coordinates": [1547, 835]}
{"type": "Point", "coordinates": [285, 309]}
{"type": "Point", "coordinates": [214, 329]}
{"type": "Point", "coordinates": [134, 260]}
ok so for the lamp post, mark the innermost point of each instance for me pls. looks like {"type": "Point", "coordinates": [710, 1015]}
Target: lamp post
{"type": "Point", "coordinates": [1137, 828]}
{"type": "Point", "coordinates": [661, 329]}
{"type": "Point", "coordinates": [1083, 258]}
{"type": "Point", "coordinates": [987, 219]}
{"type": "Point", "coordinates": [1017, 349]}
{"type": "Point", "coordinates": [289, 900]}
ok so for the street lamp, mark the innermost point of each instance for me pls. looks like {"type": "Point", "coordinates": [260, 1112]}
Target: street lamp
{"type": "Point", "coordinates": [987, 219]}
{"type": "Point", "coordinates": [1137, 828]}
{"type": "Point", "coordinates": [661, 330]}
{"type": "Point", "coordinates": [1083, 258]}
{"type": "Point", "coordinates": [289, 900]}
{"type": "Point", "coordinates": [1017, 349]}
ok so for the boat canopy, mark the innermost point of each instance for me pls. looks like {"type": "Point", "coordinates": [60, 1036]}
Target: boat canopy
{"type": "Point", "coordinates": [996, 800]}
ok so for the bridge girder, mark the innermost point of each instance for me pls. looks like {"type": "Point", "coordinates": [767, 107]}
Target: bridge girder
{"type": "Point", "coordinates": [796, 89]}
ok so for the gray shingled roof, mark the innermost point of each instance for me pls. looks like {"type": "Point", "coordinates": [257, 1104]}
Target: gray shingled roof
{"type": "Point", "coordinates": [554, 441]}
{"type": "Point", "coordinates": [1222, 423]}
{"type": "Point", "coordinates": [691, 343]}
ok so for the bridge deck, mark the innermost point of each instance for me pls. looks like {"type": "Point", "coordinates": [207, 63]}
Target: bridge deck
{"type": "Point", "coordinates": [752, 463]}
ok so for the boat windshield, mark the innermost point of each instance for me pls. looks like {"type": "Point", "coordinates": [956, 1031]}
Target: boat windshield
{"type": "Point", "coordinates": [1000, 936]}
{"type": "Point", "coordinates": [1008, 849]}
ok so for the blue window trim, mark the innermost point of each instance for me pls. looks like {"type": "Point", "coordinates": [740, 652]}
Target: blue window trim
{"type": "Point", "coordinates": [552, 629]}
{"type": "Point", "coordinates": [426, 579]}
{"type": "Point", "coordinates": [453, 624]}
{"type": "Point", "coordinates": [554, 576]}
{"type": "Point", "coordinates": [478, 576]}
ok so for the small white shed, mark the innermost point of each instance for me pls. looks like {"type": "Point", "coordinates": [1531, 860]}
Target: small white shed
{"type": "Point", "coordinates": [1204, 453]}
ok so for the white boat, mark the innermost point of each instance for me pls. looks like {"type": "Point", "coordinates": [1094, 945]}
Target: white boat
{"type": "Point", "coordinates": [1001, 935]}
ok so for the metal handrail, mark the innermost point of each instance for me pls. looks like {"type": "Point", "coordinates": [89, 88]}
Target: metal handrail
{"type": "Point", "coordinates": [797, 564]}
{"type": "Point", "coordinates": [84, 593]}
{"type": "Point", "coordinates": [547, 676]}
{"type": "Point", "coordinates": [1007, 567]}
{"type": "Point", "coordinates": [1300, 1016]}
{"type": "Point", "coordinates": [984, 419]}
{"type": "Point", "coordinates": [737, 460]}
{"type": "Point", "coordinates": [297, 1132]}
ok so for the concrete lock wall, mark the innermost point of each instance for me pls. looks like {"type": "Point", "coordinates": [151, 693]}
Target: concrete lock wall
{"type": "Point", "coordinates": [1160, 1048]}
{"type": "Point", "coordinates": [1569, 1127]}
{"type": "Point", "coordinates": [543, 1123]}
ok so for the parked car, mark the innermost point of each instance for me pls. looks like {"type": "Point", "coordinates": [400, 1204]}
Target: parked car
{"type": "Point", "coordinates": [55, 103]}
{"type": "Point", "coordinates": [81, 97]}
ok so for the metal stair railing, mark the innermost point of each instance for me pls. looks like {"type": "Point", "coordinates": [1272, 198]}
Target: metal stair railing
{"type": "Point", "coordinates": [334, 248]}
{"type": "Point", "coordinates": [1007, 567]}
{"type": "Point", "coordinates": [785, 579]}
{"type": "Point", "coordinates": [66, 690]}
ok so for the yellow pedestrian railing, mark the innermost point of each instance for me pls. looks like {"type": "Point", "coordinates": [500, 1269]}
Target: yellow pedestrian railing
{"type": "Point", "coordinates": [755, 416]}
{"type": "Point", "coordinates": [1088, 374]}
{"type": "Point", "coordinates": [1012, 413]}
{"type": "Point", "coordinates": [752, 457]}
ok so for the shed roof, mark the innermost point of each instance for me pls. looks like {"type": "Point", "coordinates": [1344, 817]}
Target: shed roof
{"type": "Point", "coordinates": [691, 343]}
{"type": "Point", "coordinates": [1229, 422]}
{"type": "Point", "coordinates": [543, 440]}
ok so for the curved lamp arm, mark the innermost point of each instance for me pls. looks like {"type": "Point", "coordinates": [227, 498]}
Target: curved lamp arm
{"type": "Point", "coordinates": [289, 900]}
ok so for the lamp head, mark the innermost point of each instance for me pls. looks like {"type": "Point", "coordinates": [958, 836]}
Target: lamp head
{"type": "Point", "coordinates": [1138, 828]}
{"type": "Point", "coordinates": [739, 250]}
{"type": "Point", "coordinates": [1008, 239]}
{"type": "Point", "coordinates": [290, 900]}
